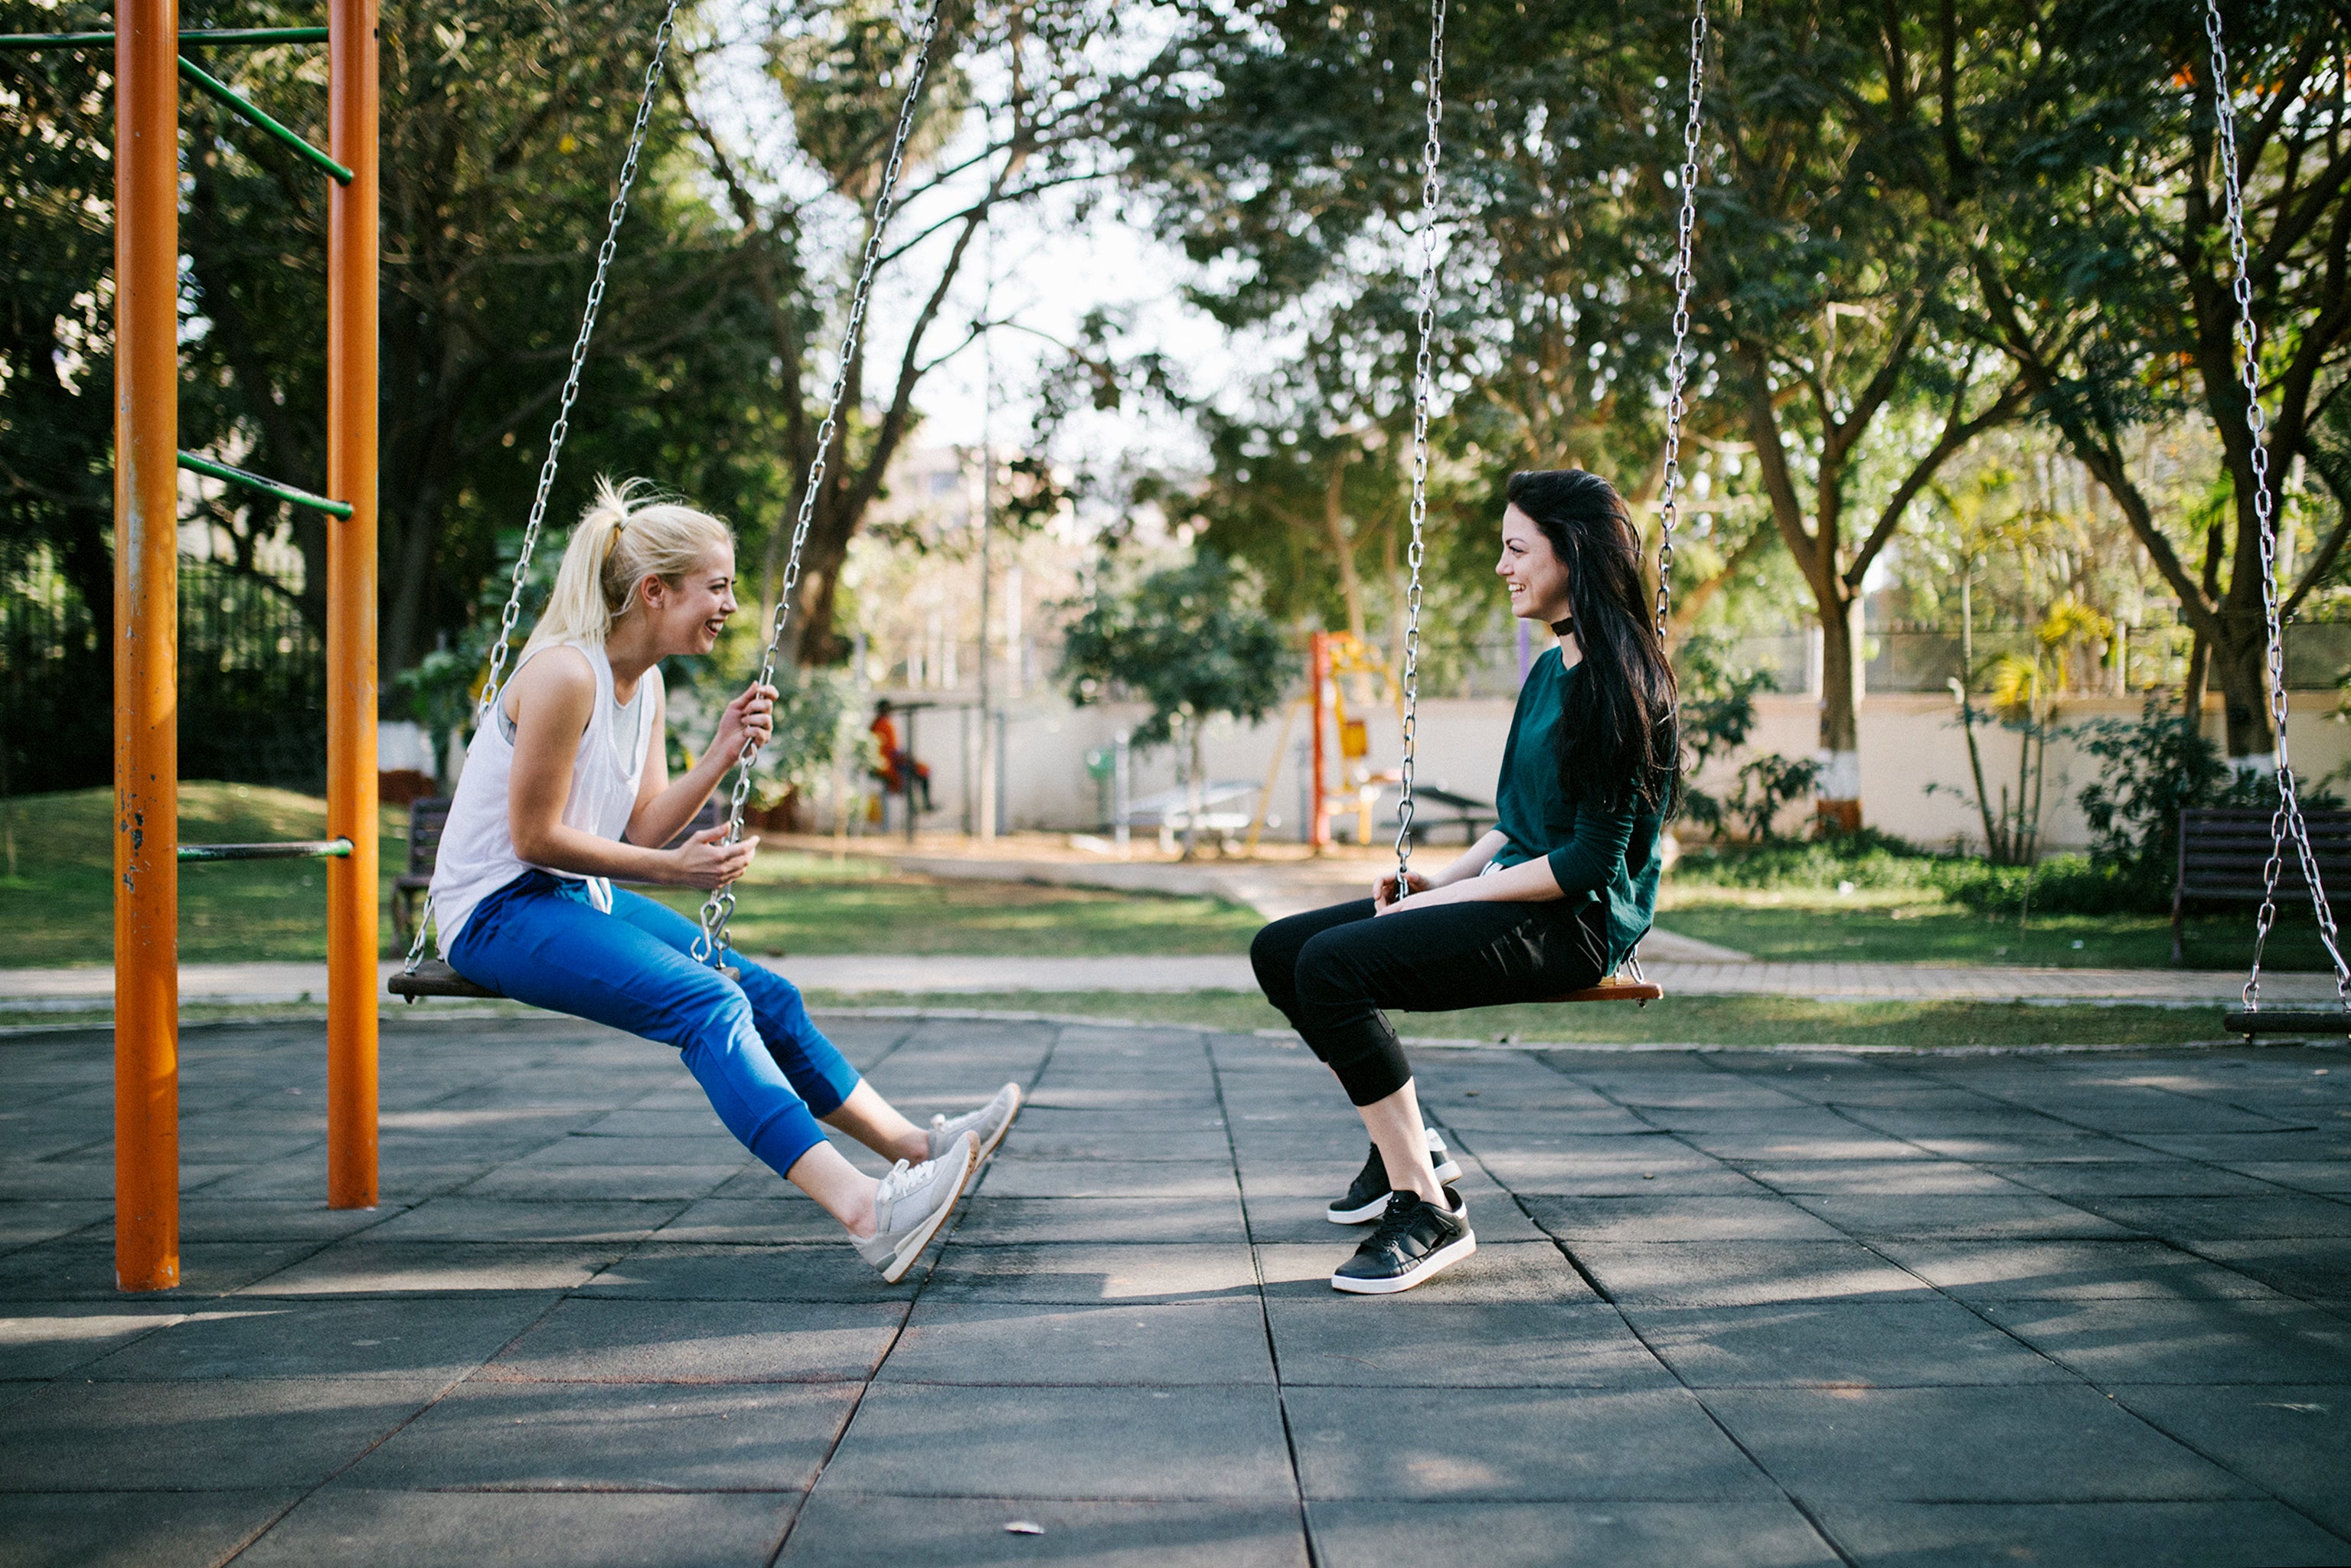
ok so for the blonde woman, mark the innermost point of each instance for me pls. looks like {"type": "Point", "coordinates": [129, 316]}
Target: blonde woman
{"type": "Point", "coordinates": [566, 788]}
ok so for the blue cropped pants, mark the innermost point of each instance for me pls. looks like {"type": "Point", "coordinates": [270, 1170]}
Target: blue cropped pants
{"type": "Point", "coordinates": [769, 1072]}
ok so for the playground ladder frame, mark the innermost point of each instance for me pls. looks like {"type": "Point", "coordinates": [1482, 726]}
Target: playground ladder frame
{"type": "Point", "coordinates": [148, 72]}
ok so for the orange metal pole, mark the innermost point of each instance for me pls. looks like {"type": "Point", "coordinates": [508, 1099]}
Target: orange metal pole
{"type": "Point", "coordinates": [351, 894]}
{"type": "Point", "coordinates": [146, 645]}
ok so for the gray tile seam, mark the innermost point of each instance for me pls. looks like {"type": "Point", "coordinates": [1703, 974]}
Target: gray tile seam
{"type": "Point", "coordinates": [1818, 1527]}
{"type": "Point", "coordinates": [1949, 1075]}
{"type": "Point", "coordinates": [556, 1301]}
{"type": "Point", "coordinates": [865, 1385]}
{"type": "Point", "coordinates": [1265, 1316]}
{"type": "Point", "coordinates": [2157, 1426]}
{"type": "Point", "coordinates": [2079, 1377]}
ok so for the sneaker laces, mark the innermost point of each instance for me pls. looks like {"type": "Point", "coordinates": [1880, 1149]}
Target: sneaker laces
{"type": "Point", "coordinates": [896, 1184]}
{"type": "Point", "coordinates": [1395, 1221]}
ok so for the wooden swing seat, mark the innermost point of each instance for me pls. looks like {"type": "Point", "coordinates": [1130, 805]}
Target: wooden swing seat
{"type": "Point", "coordinates": [1644, 992]}
{"type": "Point", "coordinates": [435, 977]}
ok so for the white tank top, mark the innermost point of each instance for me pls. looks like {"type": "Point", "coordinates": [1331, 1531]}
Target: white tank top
{"type": "Point", "coordinates": [477, 854]}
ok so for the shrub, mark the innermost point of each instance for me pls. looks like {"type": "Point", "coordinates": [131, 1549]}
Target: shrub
{"type": "Point", "coordinates": [2061, 884]}
{"type": "Point", "coordinates": [1716, 712]}
{"type": "Point", "coordinates": [1869, 858]}
{"type": "Point", "coordinates": [2153, 769]}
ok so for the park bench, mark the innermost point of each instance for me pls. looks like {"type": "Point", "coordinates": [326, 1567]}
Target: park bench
{"type": "Point", "coordinates": [2224, 851]}
{"type": "Point", "coordinates": [1433, 808]}
{"type": "Point", "coordinates": [1222, 813]}
{"type": "Point", "coordinates": [428, 819]}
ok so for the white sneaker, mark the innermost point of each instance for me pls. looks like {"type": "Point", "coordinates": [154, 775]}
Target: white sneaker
{"type": "Point", "coordinates": [988, 1123]}
{"type": "Point", "coordinates": [913, 1201]}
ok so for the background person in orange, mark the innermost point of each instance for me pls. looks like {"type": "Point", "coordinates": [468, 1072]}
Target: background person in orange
{"type": "Point", "coordinates": [895, 758]}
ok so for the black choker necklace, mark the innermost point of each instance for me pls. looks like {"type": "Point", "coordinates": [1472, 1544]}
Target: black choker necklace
{"type": "Point", "coordinates": [1564, 628]}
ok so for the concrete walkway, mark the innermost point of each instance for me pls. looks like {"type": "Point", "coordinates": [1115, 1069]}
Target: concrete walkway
{"type": "Point", "coordinates": [1725, 1310]}
{"type": "Point", "coordinates": [72, 990]}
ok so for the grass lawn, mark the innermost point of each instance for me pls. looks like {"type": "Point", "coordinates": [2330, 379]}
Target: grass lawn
{"type": "Point", "coordinates": [57, 908]}
{"type": "Point", "coordinates": [810, 903]}
{"type": "Point", "coordinates": [1917, 926]}
{"type": "Point", "coordinates": [1692, 1020]}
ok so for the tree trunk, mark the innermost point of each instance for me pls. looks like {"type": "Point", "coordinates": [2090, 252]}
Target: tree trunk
{"type": "Point", "coordinates": [1196, 787]}
{"type": "Point", "coordinates": [2199, 681]}
{"type": "Point", "coordinates": [408, 564]}
{"type": "Point", "coordinates": [1342, 549]}
{"type": "Point", "coordinates": [1838, 803]}
{"type": "Point", "coordinates": [2242, 663]}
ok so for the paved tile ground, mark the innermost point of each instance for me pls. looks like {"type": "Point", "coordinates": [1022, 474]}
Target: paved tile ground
{"type": "Point", "coordinates": [1726, 1309]}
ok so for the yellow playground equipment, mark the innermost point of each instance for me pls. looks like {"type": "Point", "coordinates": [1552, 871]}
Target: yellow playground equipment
{"type": "Point", "coordinates": [1341, 667]}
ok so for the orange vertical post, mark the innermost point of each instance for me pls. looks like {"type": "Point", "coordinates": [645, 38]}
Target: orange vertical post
{"type": "Point", "coordinates": [351, 245]}
{"type": "Point", "coordinates": [146, 645]}
{"type": "Point", "coordinates": [1318, 671]}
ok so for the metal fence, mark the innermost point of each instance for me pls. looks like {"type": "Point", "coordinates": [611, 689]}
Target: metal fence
{"type": "Point", "coordinates": [252, 684]}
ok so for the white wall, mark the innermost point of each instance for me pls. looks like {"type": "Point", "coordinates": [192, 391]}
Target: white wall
{"type": "Point", "coordinates": [1907, 740]}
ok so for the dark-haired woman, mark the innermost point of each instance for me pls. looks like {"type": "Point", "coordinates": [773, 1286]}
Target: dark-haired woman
{"type": "Point", "coordinates": [1552, 900]}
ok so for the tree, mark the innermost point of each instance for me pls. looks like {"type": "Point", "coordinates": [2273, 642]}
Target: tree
{"type": "Point", "coordinates": [57, 361]}
{"type": "Point", "coordinates": [1016, 94]}
{"type": "Point", "coordinates": [56, 491]}
{"type": "Point", "coordinates": [502, 129]}
{"type": "Point", "coordinates": [1194, 641]}
{"type": "Point", "coordinates": [1280, 145]}
{"type": "Point", "coordinates": [1841, 302]}
{"type": "Point", "coordinates": [2077, 148]}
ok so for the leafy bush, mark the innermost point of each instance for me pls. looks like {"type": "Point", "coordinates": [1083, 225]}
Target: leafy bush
{"type": "Point", "coordinates": [1766, 786]}
{"type": "Point", "coordinates": [2151, 769]}
{"type": "Point", "coordinates": [1717, 711]}
{"type": "Point", "coordinates": [1867, 859]}
{"type": "Point", "coordinates": [1194, 641]}
{"type": "Point", "coordinates": [2061, 884]}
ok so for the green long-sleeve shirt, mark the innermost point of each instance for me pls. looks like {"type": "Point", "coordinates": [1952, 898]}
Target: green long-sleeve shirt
{"type": "Point", "coordinates": [1594, 853]}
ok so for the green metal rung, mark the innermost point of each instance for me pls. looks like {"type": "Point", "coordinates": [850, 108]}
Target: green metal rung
{"type": "Point", "coordinates": [260, 117]}
{"type": "Point", "coordinates": [286, 493]}
{"type": "Point", "coordinates": [309, 849]}
{"type": "Point", "coordinates": [253, 37]}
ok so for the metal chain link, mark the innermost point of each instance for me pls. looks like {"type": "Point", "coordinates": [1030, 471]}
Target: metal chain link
{"type": "Point", "coordinates": [1677, 362]}
{"type": "Point", "coordinates": [2287, 820]}
{"type": "Point", "coordinates": [718, 909]}
{"type": "Point", "coordinates": [512, 613]}
{"type": "Point", "coordinates": [1676, 375]}
{"type": "Point", "coordinates": [1423, 375]}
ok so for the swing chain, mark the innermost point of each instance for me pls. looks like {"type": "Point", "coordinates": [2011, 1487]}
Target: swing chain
{"type": "Point", "coordinates": [1677, 362]}
{"type": "Point", "coordinates": [604, 254]}
{"type": "Point", "coordinates": [1423, 376]}
{"type": "Point", "coordinates": [718, 909]}
{"type": "Point", "coordinates": [2245, 341]}
{"type": "Point", "coordinates": [512, 615]}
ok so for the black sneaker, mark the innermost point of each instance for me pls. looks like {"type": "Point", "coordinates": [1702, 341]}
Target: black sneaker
{"type": "Point", "coordinates": [1416, 1242]}
{"type": "Point", "coordinates": [1370, 1194]}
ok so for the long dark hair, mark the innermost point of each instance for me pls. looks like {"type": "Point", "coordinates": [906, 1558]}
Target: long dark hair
{"type": "Point", "coordinates": [1617, 740]}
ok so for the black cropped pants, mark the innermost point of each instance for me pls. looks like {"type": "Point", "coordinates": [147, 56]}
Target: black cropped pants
{"type": "Point", "coordinates": [1331, 971]}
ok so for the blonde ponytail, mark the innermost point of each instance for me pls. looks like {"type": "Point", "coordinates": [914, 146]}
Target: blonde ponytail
{"type": "Point", "coordinates": [620, 540]}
